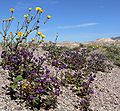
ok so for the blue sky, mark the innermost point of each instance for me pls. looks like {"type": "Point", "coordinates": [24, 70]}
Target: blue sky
{"type": "Point", "coordinates": [74, 20]}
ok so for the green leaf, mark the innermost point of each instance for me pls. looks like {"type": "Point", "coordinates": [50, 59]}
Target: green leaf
{"type": "Point", "coordinates": [18, 78]}
{"type": "Point", "coordinates": [36, 101]}
{"type": "Point", "coordinates": [35, 109]}
{"type": "Point", "coordinates": [14, 86]}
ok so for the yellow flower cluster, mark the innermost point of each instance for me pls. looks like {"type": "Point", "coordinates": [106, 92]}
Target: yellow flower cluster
{"type": "Point", "coordinates": [24, 85]}
{"type": "Point", "coordinates": [38, 9]}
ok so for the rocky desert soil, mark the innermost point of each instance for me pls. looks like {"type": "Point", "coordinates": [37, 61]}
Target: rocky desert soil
{"type": "Point", "coordinates": [106, 97]}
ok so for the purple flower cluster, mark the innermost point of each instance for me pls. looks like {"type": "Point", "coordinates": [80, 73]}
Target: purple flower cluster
{"type": "Point", "coordinates": [59, 64]}
{"type": "Point", "coordinates": [40, 90]}
{"type": "Point", "coordinates": [38, 78]}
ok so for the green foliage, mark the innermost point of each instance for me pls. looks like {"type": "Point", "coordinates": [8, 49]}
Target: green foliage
{"type": "Point", "coordinates": [14, 85]}
{"type": "Point", "coordinates": [113, 53]}
{"type": "Point", "coordinates": [55, 52]}
{"type": "Point", "coordinates": [93, 46]}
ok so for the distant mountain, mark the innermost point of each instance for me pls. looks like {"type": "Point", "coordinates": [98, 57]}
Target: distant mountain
{"type": "Point", "coordinates": [105, 40]}
{"type": "Point", "coordinates": [116, 38]}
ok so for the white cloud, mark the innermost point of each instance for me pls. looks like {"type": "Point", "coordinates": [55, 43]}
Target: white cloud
{"type": "Point", "coordinates": [78, 26]}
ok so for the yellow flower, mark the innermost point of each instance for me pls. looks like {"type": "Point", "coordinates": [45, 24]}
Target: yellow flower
{"type": "Point", "coordinates": [30, 9]}
{"type": "Point", "coordinates": [43, 36]}
{"type": "Point", "coordinates": [38, 9]}
{"type": "Point", "coordinates": [12, 10]}
{"type": "Point", "coordinates": [49, 17]}
{"type": "Point", "coordinates": [26, 16]}
{"type": "Point", "coordinates": [20, 34]}
{"type": "Point", "coordinates": [24, 85]}
{"type": "Point", "coordinates": [41, 10]}
{"type": "Point", "coordinates": [11, 33]}
{"type": "Point", "coordinates": [98, 46]}
{"type": "Point", "coordinates": [39, 33]}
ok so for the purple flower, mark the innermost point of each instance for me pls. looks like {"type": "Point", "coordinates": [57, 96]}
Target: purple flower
{"type": "Point", "coordinates": [20, 82]}
{"type": "Point", "coordinates": [10, 68]}
{"type": "Point", "coordinates": [41, 80]}
{"type": "Point", "coordinates": [40, 90]}
{"type": "Point", "coordinates": [90, 91]}
{"type": "Point", "coordinates": [47, 71]}
{"type": "Point", "coordinates": [62, 66]}
{"type": "Point", "coordinates": [31, 97]}
{"type": "Point", "coordinates": [53, 79]}
{"type": "Point", "coordinates": [57, 92]}
{"type": "Point", "coordinates": [14, 59]}
{"type": "Point", "coordinates": [91, 78]}
{"type": "Point", "coordinates": [37, 79]}
{"type": "Point", "coordinates": [54, 63]}
{"type": "Point", "coordinates": [47, 81]}
{"type": "Point", "coordinates": [46, 76]}
{"type": "Point", "coordinates": [85, 84]}
{"type": "Point", "coordinates": [33, 72]}
{"type": "Point", "coordinates": [84, 102]}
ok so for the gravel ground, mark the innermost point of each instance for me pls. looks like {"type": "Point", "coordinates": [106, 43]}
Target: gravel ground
{"type": "Point", "coordinates": [66, 101]}
{"type": "Point", "coordinates": [106, 97]}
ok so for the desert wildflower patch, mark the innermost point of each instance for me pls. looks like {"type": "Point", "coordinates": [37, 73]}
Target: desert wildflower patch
{"type": "Point", "coordinates": [32, 81]}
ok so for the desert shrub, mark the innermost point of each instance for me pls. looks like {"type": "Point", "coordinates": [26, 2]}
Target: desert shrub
{"type": "Point", "coordinates": [93, 46]}
{"type": "Point", "coordinates": [113, 53]}
{"type": "Point", "coordinates": [31, 80]}
{"type": "Point", "coordinates": [55, 55]}
{"type": "Point", "coordinates": [81, 65]}
{"type": "Point", "coordinates": [76, 58]}
{"type": "Point", "coordinates": [55, 52]}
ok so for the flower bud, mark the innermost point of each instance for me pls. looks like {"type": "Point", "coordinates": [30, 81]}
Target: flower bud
{"type": "Point", "coordinates": [30, 9]}
{"type": "Point", "coordinates": [12, 10]}
{"type": "Point", "coordinates": [26, 16]}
